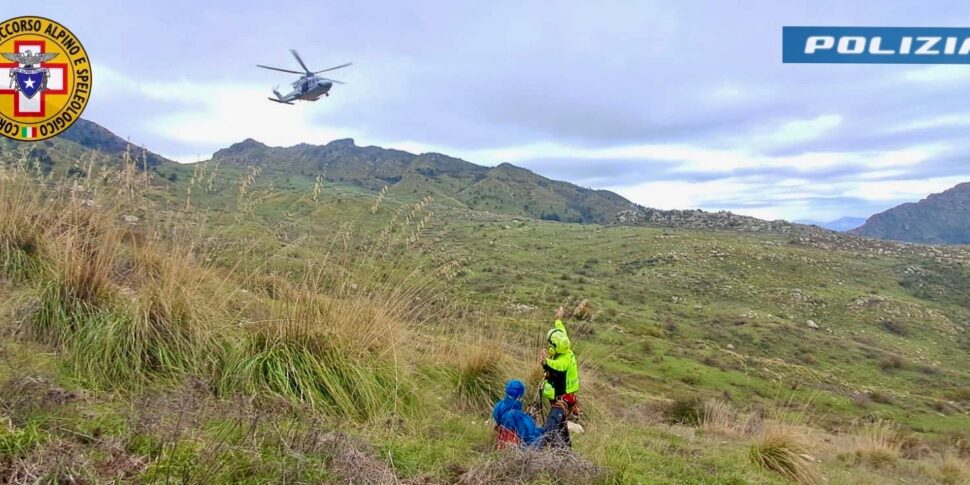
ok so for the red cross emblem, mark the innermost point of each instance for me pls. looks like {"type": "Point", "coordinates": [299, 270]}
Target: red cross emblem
{"type": "Point", "coordinates": [35, 107]}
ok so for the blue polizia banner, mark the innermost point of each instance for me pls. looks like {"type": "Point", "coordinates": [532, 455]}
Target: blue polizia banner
{"type": "Point", "coordinates": [876, 45]}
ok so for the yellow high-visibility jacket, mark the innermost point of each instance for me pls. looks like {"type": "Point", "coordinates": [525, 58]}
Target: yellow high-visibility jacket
{"type": "Point", "coordinates": [562, 370]}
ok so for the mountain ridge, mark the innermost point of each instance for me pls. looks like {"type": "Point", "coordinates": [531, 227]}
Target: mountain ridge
{"type": "Point", "coordinates": [507, 188]}
{"type": "Point", "coordinates": [942, 218]}
{"type": "Point", "coordinates": [504, 188]}
{"type": "Point", "coordinates": [81, 140]}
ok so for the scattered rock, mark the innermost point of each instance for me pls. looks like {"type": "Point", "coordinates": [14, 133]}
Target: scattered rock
{"type": "Point", "coordinates": [522, 307]}
{"type": "Point", "coordinates": [800, 234]}
{"type": "Point", "coordinates": [130, 219]}
{"type": "Point", "coordinates": [812, 324]}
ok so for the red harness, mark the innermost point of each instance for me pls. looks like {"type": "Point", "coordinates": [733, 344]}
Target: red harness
{"type": "Point", "coordinates": [506, 438]}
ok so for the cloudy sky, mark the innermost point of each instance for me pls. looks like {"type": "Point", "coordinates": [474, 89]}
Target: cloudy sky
{"type": "Point", "coordinates": [672, 104]}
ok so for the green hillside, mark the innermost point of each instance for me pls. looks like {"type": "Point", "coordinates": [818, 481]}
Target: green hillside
{"type": "Point", "coordinates": [217, 323]}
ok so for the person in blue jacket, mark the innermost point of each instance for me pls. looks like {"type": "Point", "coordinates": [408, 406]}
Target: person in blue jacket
{"type": "Point", "coordinates": [509, 415]}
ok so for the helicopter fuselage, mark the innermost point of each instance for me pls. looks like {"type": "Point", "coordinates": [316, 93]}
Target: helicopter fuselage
{"type": "Point", "coordinates": [310, 89]}
{"type": "Point", "coordinates": [305, 89]}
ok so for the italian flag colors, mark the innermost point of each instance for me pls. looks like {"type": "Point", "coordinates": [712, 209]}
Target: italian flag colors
{"type": "Point", "coordinates": [28, 132]}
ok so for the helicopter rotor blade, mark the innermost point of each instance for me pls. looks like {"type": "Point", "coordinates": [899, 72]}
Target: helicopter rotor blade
{"type": "Point", "coordinates": [337, 67]}
{"type": "Point", "coordinates": [279, 69]}
{"type": "Point", "coordinates": [297, 56]}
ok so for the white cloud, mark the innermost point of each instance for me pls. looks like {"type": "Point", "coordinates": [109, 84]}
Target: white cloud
{"type": "Point", "coordinates": [222, 113]}
{"type": "Point", "coordinates": [677, 194]}
{"type": "Point", "coordinates": [943, 121]}
{"type": "Point", "coordinates": [938, 74]}
{"type": "Point", "coordinates": [796, 131]}
{"type": "Point", "coordinates": [697, 159]}
{"type": "Point", "coordinates": [902, 189]}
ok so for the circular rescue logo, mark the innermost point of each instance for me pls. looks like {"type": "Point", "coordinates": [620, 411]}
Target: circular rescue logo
{"type": "Point", "coordinates": [45, 78]}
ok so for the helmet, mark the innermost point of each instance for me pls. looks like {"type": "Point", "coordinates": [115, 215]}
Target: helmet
{"type": "Point", "coordinates": [514, 389]}
{"type": "Point", "coordinates": [558, 341]}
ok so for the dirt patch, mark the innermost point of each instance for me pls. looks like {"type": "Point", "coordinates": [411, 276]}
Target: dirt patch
{"type": "Point", "coordinates": [518, 466]}
{"type": "Point", "coordinates": [22, 396]}
{"type": "Point", "coordinates": [354, 462]}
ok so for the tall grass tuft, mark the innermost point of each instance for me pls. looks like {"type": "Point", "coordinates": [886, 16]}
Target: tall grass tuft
{"type": "Point", "coordinates": [719, 418]}
{"type": "Point", "coordinates": [123, 309]}
{"type": "Point", "coordinates": [19, 231]}
{"type": "Point", "coordinates": [132, 290]}
{"type": "Point", "coordinates": [781, 449]}
{"type": "Point", "coordinates": [341, 355]}
{"type": "Point", "coordinates": [479, 378]}
{"type": "Point", "coordinates": [954, 470]}
{"type": "Point", "coordinates": [167, 322]}
{"type": "Point", "coordinates": [879, 444]}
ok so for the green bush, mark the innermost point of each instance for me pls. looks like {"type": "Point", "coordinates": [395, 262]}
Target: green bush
{"type": "Point", "coordinates": [685, 410]}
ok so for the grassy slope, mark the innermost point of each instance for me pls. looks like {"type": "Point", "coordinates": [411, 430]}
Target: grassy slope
{"type": "Point", "coordinates": [677, 312]}
{"type": "Point", "coordinates": [726, 314]}
{"type": "Point", "coordinates": [687, 295]}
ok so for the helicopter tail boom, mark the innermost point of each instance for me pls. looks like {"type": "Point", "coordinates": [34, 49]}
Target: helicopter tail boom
{"type": "Point", "coordinates": [279, 98]}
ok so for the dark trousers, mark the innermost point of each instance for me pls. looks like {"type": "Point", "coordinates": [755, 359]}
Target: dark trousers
{"type": "Point", "coordinates": [555, 433]}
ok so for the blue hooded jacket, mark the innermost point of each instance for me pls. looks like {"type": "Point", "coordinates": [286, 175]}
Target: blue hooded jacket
{"type": "Point", "coordinates": [508, 413]}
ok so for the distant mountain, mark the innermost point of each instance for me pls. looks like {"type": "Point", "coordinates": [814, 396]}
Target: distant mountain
{"type": "Point", "coordinates": [841, 224]}
{"type": "Point", "coordinates": [942, 218]}
{"type": "Point", "coordinates": [504, 189]}
{"type": "Point", "coordinates": [78, 142]}
{"type": "Point", "coordinates": [96, 137]}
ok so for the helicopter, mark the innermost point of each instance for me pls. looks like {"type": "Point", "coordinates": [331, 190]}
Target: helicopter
{"type": "Point", "coordinates": [309, 87]}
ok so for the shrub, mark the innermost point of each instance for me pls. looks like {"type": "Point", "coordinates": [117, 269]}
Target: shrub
{"type": "Point", "coordinates": [896, 327]}
{"type": "Point", "coordinates": [807, 358]}
{"type": "Point", "coordinates": [690, 379]}
{"type": "Point", "coordinates": [880, 397]}
{"type": "Point", "coordinates": [941, 407]}
{"type": "Point", "coordinates": [686, 410]}
{"type": "Point", "coordinates": [892, 362]}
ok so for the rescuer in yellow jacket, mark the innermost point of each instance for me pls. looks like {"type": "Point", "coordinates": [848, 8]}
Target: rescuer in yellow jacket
{"type": "Point", "coordinates": [561, 378]}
